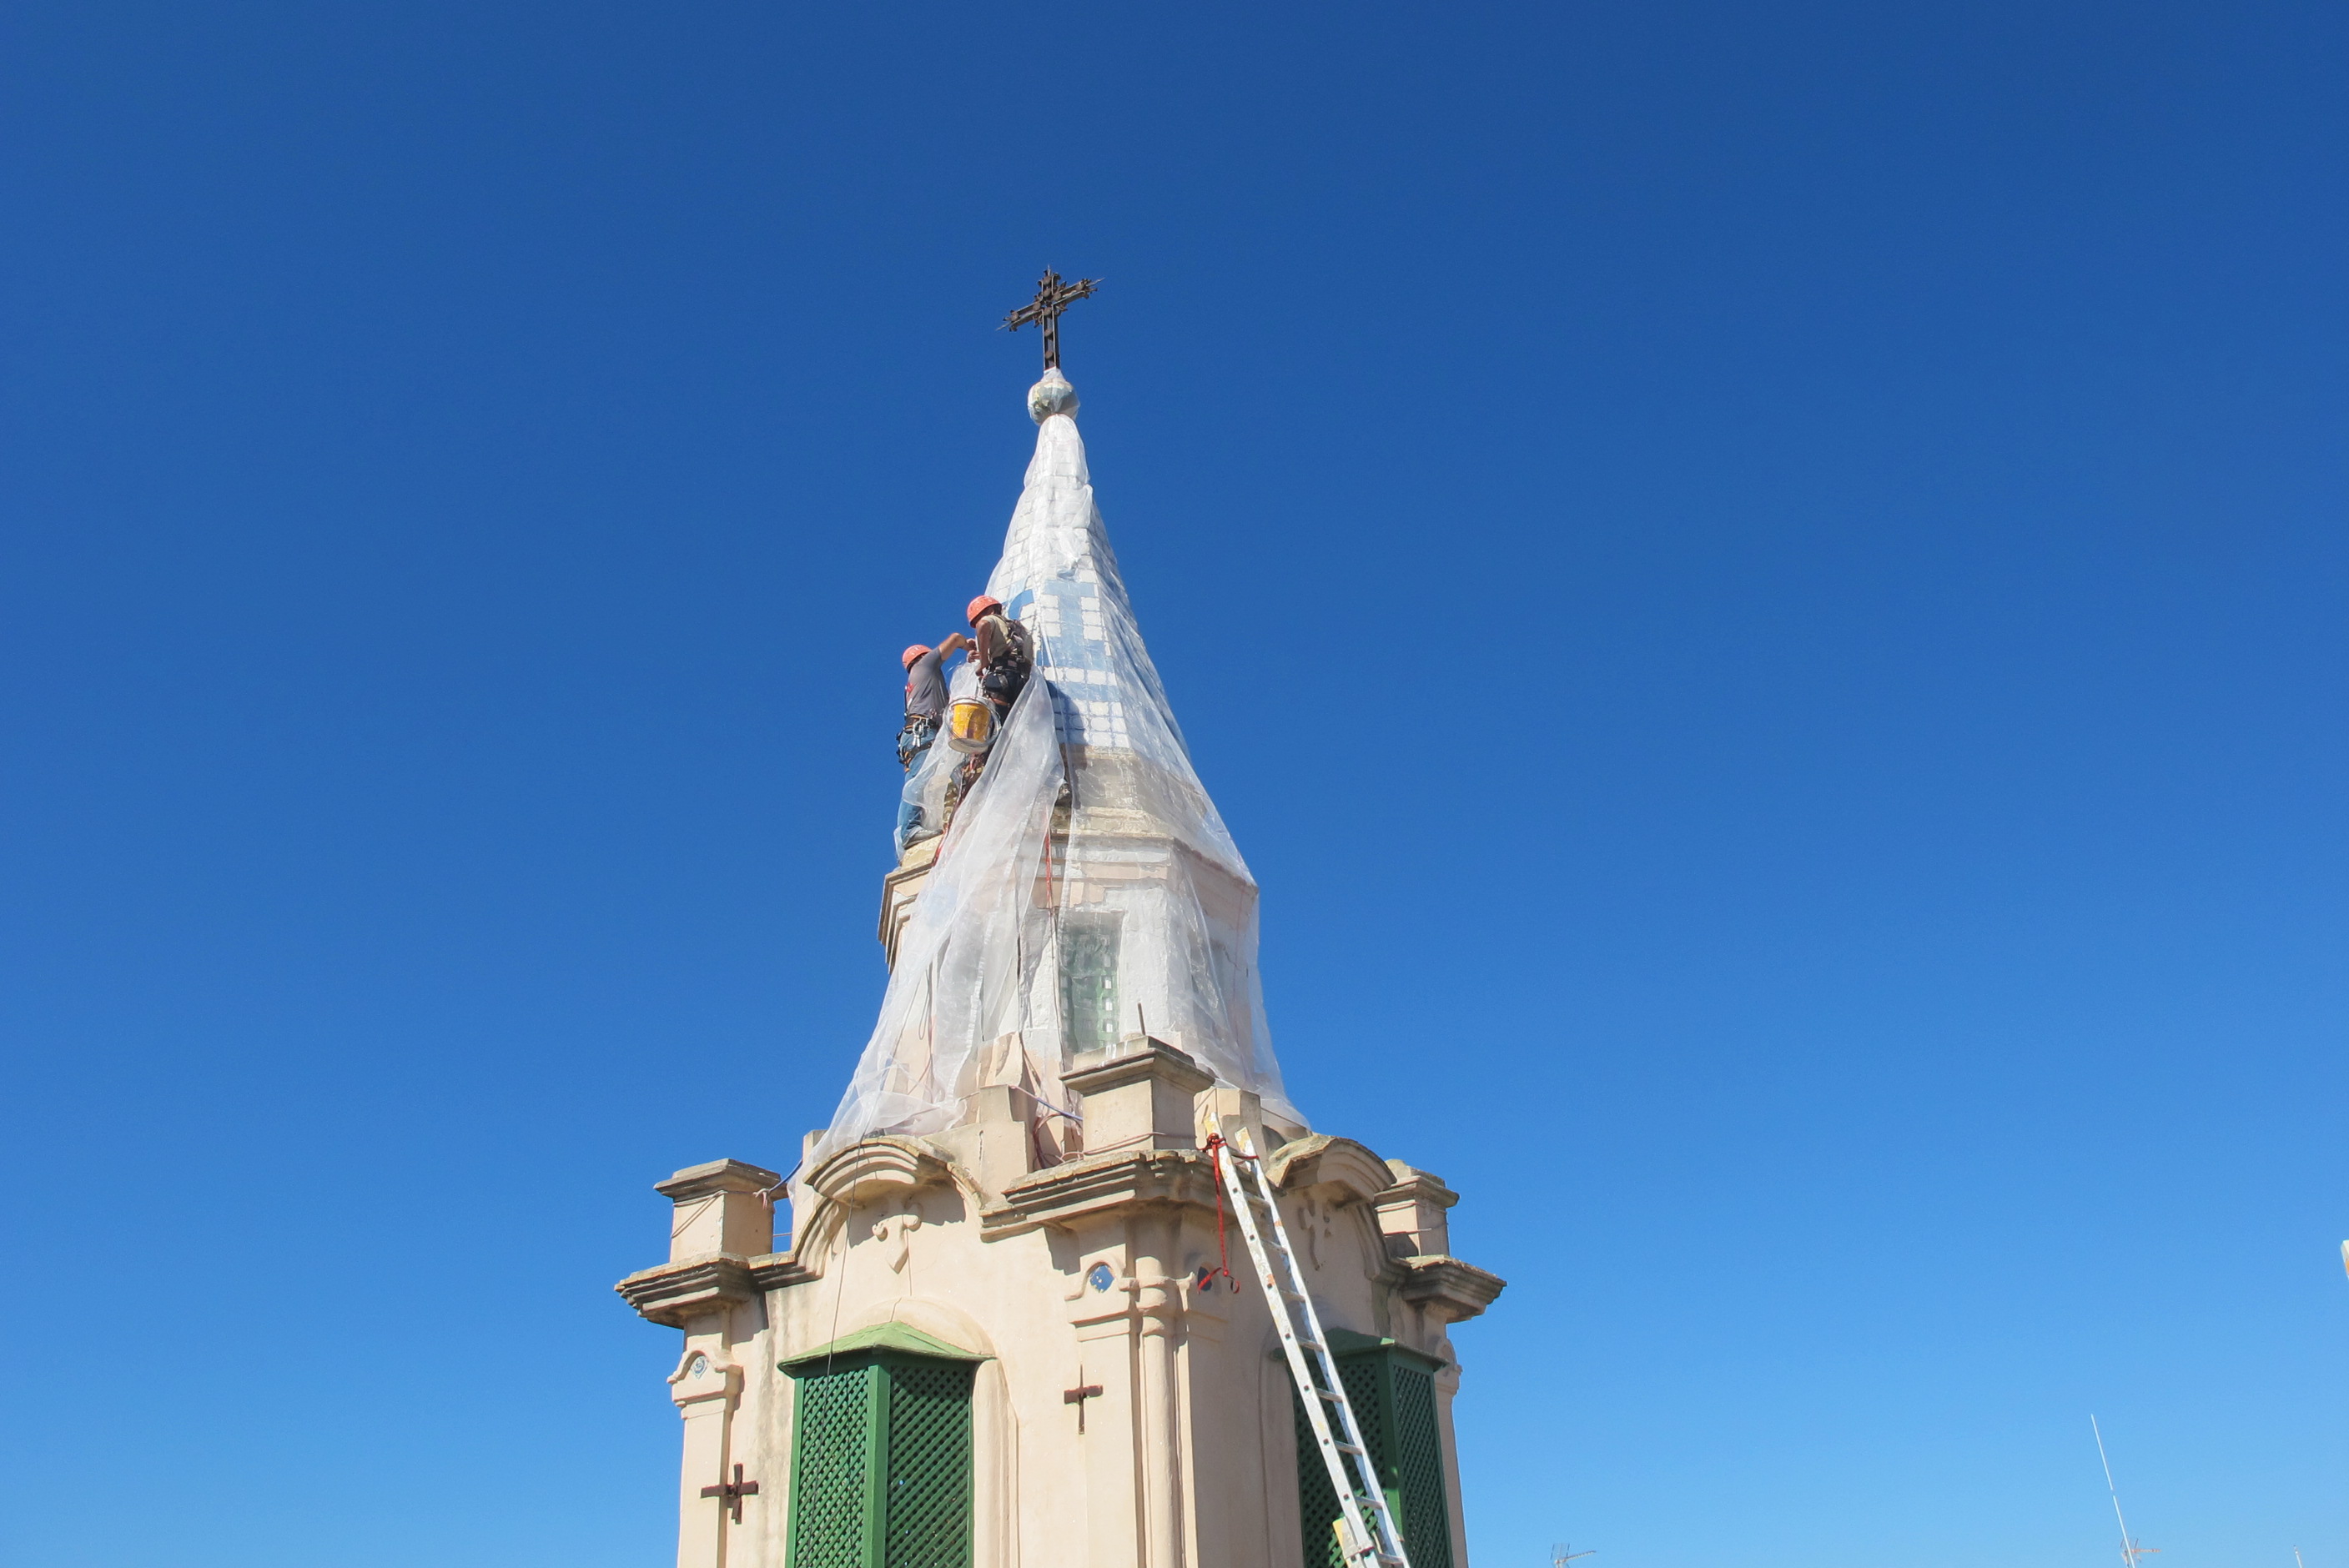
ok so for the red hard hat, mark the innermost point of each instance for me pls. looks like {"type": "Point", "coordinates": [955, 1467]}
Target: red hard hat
{"type": "Point", "coordinates": [906, 659]}
{"type": "Point", "coordinates": [981, 606]}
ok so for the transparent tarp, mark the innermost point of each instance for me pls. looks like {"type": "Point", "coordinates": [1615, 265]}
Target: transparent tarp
{"type": "Point", "coordinates": [1086, 889]}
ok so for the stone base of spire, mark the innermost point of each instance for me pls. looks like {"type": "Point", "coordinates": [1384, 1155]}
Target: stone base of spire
{"type": "Point", "coordinates": [1129, 1406]}
{"type": "Point", "coordinates": [901, 887]}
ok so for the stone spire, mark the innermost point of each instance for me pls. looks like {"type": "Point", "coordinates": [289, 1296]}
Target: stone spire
{"type": "Point", "coordinates": [1087, 889]}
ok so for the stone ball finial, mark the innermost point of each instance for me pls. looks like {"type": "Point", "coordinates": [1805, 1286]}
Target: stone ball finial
{"type": "Point", "coordinates": [1051, 395]}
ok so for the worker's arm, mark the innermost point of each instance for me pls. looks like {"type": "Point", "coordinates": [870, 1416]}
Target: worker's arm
{"type": "Point", "coordinates": [956, 643]}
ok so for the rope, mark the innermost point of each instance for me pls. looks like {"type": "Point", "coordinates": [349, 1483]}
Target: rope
{"type": "Point", "coordinates": [1215, 1150]}
{"type": "Point", "coordinates": [767, 1194]}
{"type": "Point", "coordinates": [1042, 1103]}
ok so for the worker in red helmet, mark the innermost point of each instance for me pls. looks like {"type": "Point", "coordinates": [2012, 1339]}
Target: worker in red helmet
{"type": "Point", "coordinates": [1003, 651]}
{"type": "Point", "coordinates": [925, 695]}
{"type": "Point", "coordinates": [926, 710]}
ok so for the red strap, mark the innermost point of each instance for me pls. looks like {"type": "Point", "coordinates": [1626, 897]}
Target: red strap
{"type": "Point", "coordinates": [1215, 1150]}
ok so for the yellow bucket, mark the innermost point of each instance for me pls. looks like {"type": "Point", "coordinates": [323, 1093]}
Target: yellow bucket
{"type": "Point", "coordinates": [971, 726]}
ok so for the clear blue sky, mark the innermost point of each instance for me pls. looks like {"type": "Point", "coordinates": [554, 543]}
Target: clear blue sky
{"type": "Point", "coordinates": [1762, 586]}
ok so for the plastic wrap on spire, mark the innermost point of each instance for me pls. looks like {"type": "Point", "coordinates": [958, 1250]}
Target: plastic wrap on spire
{"type": "Point", "coordinates": [1086, 889]}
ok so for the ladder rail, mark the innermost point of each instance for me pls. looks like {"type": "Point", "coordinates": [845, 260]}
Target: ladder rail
{"type": "Point", "coordinates": [1372, 1536]}
{"type": "Point", "coordinates": [1320, 1346]}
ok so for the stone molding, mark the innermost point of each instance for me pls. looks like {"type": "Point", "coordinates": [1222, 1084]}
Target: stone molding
{"type": "Point", "coordinates": [864, 1170]}
{"type": "Point", "coordinates": [1139, 1059]}
{"type": "Point", "coordinates": [1100, 1185]}
{"type": "Point", "coordinates": [675, 1293]}
{"type": "Point", "coordinates": [898, 890]}
{"type": "Point", "coordinates": [720, 1379]}
{"type": "Point", "coordinates": [718, 1176]}
{"type": "Point", "coordinates": [779, 1271]}
{"type": "Point", "coordinates": [1411, 1213]}
{"type": "Point", "coordinates": [1448, 1288]}
{"type": "Point", "coordinates": [1322, 1160]}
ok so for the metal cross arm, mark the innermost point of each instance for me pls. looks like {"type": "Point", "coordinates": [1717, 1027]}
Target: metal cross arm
{"type": "Point", "coordinates": [1053, 296]}
{"type": "Point", "coordinates": [1078, 1397]}
{"type": "Point", "coordinates": [730, 1493]}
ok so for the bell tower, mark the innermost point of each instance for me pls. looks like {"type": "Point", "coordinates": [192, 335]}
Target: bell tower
{"type": "Point", "coordinates": [1008, 1322]}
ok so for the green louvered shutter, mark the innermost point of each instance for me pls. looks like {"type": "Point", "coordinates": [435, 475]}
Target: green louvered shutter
{"type": "Point", "coordinates": [880, 1464]}
{"type": "Point", "coordinates": [928, 1502]}
{"type": "Point", "coordinates": [831, 1469]}
{"type": "Point", "coordinates": [1418, 1448]}
{"type": "Point", "coordinates": [1393, 1396]}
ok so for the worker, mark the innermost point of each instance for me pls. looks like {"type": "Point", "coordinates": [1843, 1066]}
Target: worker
{"type": "Point", "coordinates": [1004, 655]}
{"type": "Point", "coordinates": [926, 710]}
{"type": "Point", "coordinates": [1003, 651]}
{"type": "Point", "coordinates": [925, 695]}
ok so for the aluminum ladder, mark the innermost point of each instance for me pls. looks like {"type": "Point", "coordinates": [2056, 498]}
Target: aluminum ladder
{"type": "Point", "coordinates": [1372, 1545]}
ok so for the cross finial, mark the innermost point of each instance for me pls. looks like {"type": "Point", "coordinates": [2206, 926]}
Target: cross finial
{"type": "Point", "coordinates": [1052, 297]}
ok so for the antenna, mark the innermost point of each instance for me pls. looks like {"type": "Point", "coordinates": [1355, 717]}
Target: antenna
{"type": "Point", "coordinates": [2296, 1557]}
{"type": "Point", "coordinates": [1563, 1552]}
{"type": "Point", "coordinates": [2130, 1549]}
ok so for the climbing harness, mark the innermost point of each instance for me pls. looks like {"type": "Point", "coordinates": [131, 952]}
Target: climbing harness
{"type": "Point", "coordinates": [915, 738]}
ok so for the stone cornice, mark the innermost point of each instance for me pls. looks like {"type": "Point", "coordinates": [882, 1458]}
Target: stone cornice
{"type": "Point", "coordinates": [675, 1292]}
{"type": "Point", "coordinates": [1138, 1060]}
{"type": "Point", "coordinates": [1416, 1186]}
{"type": "Point", "coordinates": [1101, 1185]}
{"type": "Point", "coordinates": [863, 1170]}
{"type": "Point", "coordinates": [778, 1270]}
{"type": "Point", "coordinates": [718, 1176]}
{"type": "Point", "coordinates": [1322, 1160]}
{"type": "Point", "coordinates": [1451, 1290]}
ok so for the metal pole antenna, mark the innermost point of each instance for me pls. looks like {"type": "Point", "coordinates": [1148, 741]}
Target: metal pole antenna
{"type": "Point", "coordinates": [2130, 1549]}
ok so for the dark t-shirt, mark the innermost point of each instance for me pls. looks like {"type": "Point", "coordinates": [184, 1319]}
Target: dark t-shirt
{"type": "Point", "coordinates": [925, 688]}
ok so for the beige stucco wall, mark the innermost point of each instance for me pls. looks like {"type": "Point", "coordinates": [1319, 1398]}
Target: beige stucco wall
{"type": "Point", "coordinates": [1185, 1460]}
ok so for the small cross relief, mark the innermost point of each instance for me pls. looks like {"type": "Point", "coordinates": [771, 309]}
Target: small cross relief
{"type": "Point", "coordinates": [730, 1493]}
{"type": "Point", "coordinates": [1077, 1397]}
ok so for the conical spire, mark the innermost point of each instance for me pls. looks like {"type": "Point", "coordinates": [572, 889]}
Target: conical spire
{"type": "Point", "coordinates": [1087, 889]}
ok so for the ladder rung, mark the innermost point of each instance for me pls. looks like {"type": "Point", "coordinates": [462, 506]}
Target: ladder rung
{"type": "Point", "coordinates": [1352, 1449]}
{"type": "Point", "coordinates": [1326, 1394]}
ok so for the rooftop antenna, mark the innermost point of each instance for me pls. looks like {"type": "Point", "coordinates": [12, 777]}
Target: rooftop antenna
{"type": "Point", "coordinates": [2130, 1549]}
{"type": "Point", "coordinates": [1563, 1552]}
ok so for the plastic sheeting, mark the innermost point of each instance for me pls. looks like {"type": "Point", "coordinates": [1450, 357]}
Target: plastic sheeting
{"type": "Point", "coordinates": [1086, 889]}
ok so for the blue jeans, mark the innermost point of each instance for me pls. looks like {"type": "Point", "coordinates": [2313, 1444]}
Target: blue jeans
{"type": "Point", "coordinates": [909, 813]}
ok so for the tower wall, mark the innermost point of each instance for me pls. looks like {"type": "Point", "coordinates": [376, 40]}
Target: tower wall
{"type": "Point", "coordinates": [1096, 1273]}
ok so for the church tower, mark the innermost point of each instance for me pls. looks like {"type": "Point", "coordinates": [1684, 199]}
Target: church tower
{"type": "Point", "coordinates": [998, 1331]}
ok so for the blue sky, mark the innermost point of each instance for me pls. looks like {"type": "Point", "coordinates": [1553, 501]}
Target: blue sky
{"type": "Point", "coordinates": [1762, 587]}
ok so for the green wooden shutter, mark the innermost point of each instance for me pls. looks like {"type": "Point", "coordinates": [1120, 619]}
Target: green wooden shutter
{"type": "Point", "coordinates": [928, 1504]}
{"type": "Point", "coordinates": [831, 1464]}
{"type": "Point", "coordinates": [881, 1463]}
{"type": "Point", "coordinates": [1424, 1518]}
{"type": "Point", "coordinates": [1393, 1396]}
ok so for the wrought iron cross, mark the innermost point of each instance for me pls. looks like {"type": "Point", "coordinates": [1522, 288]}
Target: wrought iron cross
{"type": "Point", "coordinates": [730, 1493]}
{"type": "Point", "coordinates": [1052, 297]}
{"type": "Point", "coordinates": [1078, 1397]}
